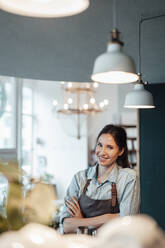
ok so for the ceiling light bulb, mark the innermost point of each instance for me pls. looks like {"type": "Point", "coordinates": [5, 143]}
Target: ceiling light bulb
{"type": "Point", "coordinates": [95, 85]}
{"type": "Point", "coordinates": [115, 77]}
{"type": "Point", "coordinates": [101, 104]}
{"type": "Point", "coordinates": [69, 85]}
{"type": "Point", "coordinates": [85, 106]}
{"type": "Point", "coordinates": [70, 100]}
{"type": "Point", "coordinates": [92, 100]}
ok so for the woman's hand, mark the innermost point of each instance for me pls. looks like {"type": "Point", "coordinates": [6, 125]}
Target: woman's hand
{"type": "Point", "coordinates": [74, 208]}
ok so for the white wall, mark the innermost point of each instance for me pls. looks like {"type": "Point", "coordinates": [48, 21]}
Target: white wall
{"type": "Point", "coordinates": [65, 155]}
{"type": "Point", "coordinates": [97, 122]}
{"type": "Point", "coordinates": [128, 116]}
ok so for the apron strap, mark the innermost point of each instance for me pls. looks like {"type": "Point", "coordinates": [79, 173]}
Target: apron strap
{"type": "Point", "coordinates": [114, 194]}
{"type": "Point", "coordinates": [86, 185]}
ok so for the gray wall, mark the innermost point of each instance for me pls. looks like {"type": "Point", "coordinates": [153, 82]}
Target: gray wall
{"type": "Point", "coordinates": [65, 48]}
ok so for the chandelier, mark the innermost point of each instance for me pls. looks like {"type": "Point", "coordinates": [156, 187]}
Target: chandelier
{"type": "Point", "coordinates": [79, 99]}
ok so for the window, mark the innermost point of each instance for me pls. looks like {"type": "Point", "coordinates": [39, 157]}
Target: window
{"type": "Point", "coordinates": [27, 129]}
{"type": "Point", "coordinates": [7, 110]}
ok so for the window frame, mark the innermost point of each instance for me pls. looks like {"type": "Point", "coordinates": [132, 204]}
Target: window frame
{"type": "Point", "coordinates": [11, 153]}
{"type": "Point", "coordinates": [15, 152]}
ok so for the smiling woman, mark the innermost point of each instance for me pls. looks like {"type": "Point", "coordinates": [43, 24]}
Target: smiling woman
{"type": "Point", "coordinates": [105, 191]}
{"type": "Point", "coordinates": [107, 151]}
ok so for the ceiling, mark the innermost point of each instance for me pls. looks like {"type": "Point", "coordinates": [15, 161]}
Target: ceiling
{"type": "Point", "coordinates": [64, 49]}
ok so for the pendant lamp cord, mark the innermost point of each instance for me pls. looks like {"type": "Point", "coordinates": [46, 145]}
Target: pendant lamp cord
{"type": "Point", "coordinates": [141, 20]}
{"type": "Point", "coordinates": [114, 14]}
{"type": "Point", "coordinates": [139, 45]}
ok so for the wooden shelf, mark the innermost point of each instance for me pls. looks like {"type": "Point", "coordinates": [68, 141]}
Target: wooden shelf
{"type": "Point", "coordinates": [131, 140]}
{"type": "Point", "coordinates": [128, 126]}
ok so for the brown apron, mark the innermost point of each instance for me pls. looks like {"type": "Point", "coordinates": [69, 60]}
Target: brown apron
{"type": "Point", "coordinates": [91, 207]}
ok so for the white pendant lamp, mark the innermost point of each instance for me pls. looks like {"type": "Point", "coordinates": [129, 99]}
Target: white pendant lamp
{"type": "Point", "coordinates": [44, 8]}
{"type": "Point", "coordinates": [139, 98]}
{"type": "Point", "coordinates": [113, 66]}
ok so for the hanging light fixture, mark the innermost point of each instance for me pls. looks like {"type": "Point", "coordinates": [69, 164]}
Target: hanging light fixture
{"type": "Point", "coordinates": [113, 66]}
{"type": "Point", "coordinates": [79, 100]}
{"type": "Point", "coordinates": [140, 98]}
{"type": "Point", "coordinates": [44, 8]}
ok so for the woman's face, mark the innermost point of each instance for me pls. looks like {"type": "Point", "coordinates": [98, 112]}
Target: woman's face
{"type": "Point", "coordinates": [107, 151]}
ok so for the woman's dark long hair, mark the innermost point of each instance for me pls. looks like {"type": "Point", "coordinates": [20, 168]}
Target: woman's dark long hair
{"type": "Point", "coordinates": [120, 137]}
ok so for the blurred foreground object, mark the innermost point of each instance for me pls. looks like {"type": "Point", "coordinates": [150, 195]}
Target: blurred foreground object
{"type": "Point", "coordinates": [12, 219]}
{"type": "Point", "coordinates": [3, 194]}
{"type": "Point", "coordinates": [36, 235]}
{"type": "Point", "coordinates": [19, 206]}
{"type": "Point", "coordinates": [39, 204]}
{"type": "Point", "coordinates": [11, 170]}
{"type": "Point", "coordinates": [126, 232]}
{"type": "Point", "coordinates": [140, 231]}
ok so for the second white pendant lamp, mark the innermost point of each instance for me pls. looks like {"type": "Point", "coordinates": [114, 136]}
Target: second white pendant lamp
{"type": "Point", "coordinates": [113, 66]}
{"type": "Point", "coordinates": [44, 8]}
{"type": "Point", "coordinates": [139, 98]}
